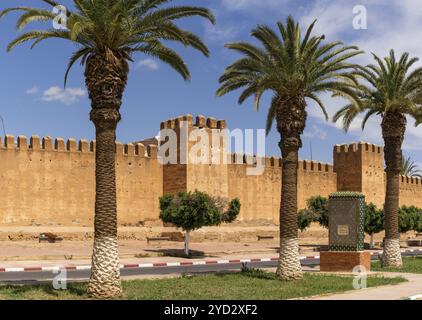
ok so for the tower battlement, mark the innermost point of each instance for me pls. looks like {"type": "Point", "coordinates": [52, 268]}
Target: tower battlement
{"type": "Point", "coordinates": [200, 122]}
{"type": "Point", "coordinates": [358, 147]}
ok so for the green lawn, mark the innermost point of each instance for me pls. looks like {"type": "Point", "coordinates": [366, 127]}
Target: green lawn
{"type": "Point", "coordinates": [410, 265]}
{"type": "Point", "coordinates": [243, 286]}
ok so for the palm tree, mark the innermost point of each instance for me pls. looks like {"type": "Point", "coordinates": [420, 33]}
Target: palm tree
{"type": "Point", "coordinates": [107, 33]}
{"type": "Point", "coordinates": [293, 68]}
{"type": "Point", "coordinates": [391, 91]}
{"type": "Point", "coordinates": [409, 168]}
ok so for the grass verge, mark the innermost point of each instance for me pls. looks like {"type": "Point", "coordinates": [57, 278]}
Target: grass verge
{"type": "Point", "coordinates": [247, 285]}
{"type": "Point", "coordinates": [410, 265]}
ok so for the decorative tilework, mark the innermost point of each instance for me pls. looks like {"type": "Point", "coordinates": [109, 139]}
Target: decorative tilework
{"type": "Point", "coordinates": [346, 208]}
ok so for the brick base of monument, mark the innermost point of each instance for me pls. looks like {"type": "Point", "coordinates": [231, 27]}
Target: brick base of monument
{"type": "Point", "coordinates": [344, 261]}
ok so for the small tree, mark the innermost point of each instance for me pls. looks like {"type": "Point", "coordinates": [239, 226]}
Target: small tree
{"type": "Point", "coordinates": [318, 206]}
{"type": "Point", "coordinates": [304, 219]}
{"type": "Point", "coordinates": [192, 211]}
{"type": "Point", "coordinates": [409, 218]}
{"type": "Point", "coordinates": [374, 221]}
{"type": "Point", "coordinates": [417, 220]}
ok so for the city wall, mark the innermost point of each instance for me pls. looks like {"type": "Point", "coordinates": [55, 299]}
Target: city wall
{"type": "Point", "coordinates": [52, 182]}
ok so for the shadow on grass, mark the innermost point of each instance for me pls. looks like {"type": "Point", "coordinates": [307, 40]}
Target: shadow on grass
{"type": "Point", "coordinates": [248, 273]}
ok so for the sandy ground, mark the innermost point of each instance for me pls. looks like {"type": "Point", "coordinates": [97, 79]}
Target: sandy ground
{"type": "Point", "coordinates": [76, 250]}
{"type": "Point", "coordinates": [21, 243]}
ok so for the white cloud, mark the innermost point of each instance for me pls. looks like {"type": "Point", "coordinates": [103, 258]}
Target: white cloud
{"type": "Point", "coordinates": [33, 90]}
{"type": "Point", "coordinates": [148, 64]}
{"type": "Point", "coordinates": [393, 24]}
{"type": "Point", "coordinates": [221, 34]}
{"type": "Point", "coordinates": [333, 18]}
{"type": "Point", "coordinates": [236, 5]}
{"type": "Point", "coordinates": [67, 96]}
{"type": "Point", "coordinates": [315, 131]}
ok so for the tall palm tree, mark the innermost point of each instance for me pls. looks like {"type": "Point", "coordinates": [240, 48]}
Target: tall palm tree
{"type": "Point", "coordinates": [107, 33]}
{"type": "Point", "coordinates": [293, 68]}
{"type": "Point", "coordinates": [392, 91]}
{"type": "Point", "coordinates": [409, 168]}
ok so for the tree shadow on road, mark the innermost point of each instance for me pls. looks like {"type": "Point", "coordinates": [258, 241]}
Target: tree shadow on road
{"type": "Point", "coordinates": [179, 253]}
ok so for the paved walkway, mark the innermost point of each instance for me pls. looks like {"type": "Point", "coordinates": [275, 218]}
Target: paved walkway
{"type": "Point", "coordinates": [82, 250]}
{"type": "Point", "coordinates": [396, 292]}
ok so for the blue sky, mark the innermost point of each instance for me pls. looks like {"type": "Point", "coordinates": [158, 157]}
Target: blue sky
{"type": "Point", "coordinates": [33, 100]}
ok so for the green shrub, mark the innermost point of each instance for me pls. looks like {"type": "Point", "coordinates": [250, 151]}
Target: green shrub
{"type": "Point", "coordinates": [318, 206]}
{"type": "Point", "coordinates": [419, 224]}
{"type": "Point", "coordinates": [304, 219]}
{"type": "Point", "coordinates": [409, 218]}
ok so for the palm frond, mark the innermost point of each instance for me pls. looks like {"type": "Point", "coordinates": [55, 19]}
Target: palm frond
{"type": "Point", "coordinates": [290, 66]}
{"type": "Point", "coordinates": [388, 85]}
{"type": "Point", "coordinates": [409, 168]}
{"type": "Point", "coordinates": [121, 26]}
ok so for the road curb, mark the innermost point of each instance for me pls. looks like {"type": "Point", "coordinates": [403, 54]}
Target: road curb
{"type": "Point", "coordinates": [171, 264]}
{"type": "Point", "coordinates": [146, 265]}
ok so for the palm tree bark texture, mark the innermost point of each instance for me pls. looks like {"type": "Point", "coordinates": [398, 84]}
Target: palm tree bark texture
{"type": "Point", "coordinates": [291, 119]}
{"type": "Point", "coordinates": [393, 130]}
{"type": "Point", "coordinates": [106, 77]}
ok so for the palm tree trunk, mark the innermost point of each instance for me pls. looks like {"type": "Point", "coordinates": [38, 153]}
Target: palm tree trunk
{"type": "Point", "coordinates": [106, 77]}
{"type": "Point", "coordinates": [105, 273]}
{"type": "Point", "coordinates": [291, 119]}
{"type": "Point", "coordinates": [393, 128]}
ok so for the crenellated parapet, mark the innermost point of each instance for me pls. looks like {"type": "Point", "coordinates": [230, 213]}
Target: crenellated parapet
{"type": "Point", "coordinates": [410, 181]}
{"type": "Point", "coordinates": [315, 166]}
{"type": "Point", "coordinates": [303, 165]}
{"type": "Point", "coordinates": [48, 144]}
{"type": "Point", "coordinates": [199, 122]}
{"type": "Point", "coordinates": [252, 160]}
{"type": "Point", "coordinates": [358, 147]}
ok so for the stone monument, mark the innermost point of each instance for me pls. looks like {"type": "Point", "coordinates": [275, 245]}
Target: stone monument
{"type": "Point", "coordinates": [346, 233]}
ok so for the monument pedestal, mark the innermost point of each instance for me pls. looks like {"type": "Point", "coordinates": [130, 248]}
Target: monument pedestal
{"type": "Point", "coordinates": [344, 261]}
{"type": "Point", "coordinates": [346, 213]}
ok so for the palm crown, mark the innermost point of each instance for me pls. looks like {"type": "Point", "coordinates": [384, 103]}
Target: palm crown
{"type": "Point", "coordinates": [122, 26]}
{"type": "Point", "coordinates": [289, 66]}
{"type": "Point", "coordinates": [410, 168]}
{"type": "Point", "coordinates": [389, 86]}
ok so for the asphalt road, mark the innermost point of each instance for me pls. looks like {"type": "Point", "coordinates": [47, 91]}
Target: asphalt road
{"type": "Point", "coordinates": [33, 277]}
